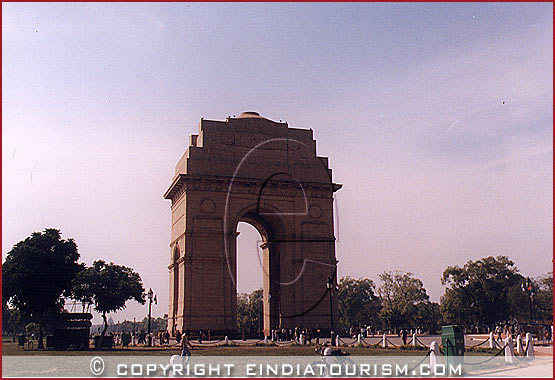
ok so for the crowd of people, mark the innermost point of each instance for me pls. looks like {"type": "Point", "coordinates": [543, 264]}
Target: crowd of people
{"type": "Point", "coordinates": [287, 334]}
{"type": "Point", "coordinates": [543, 333]}
{"type": "Point", "coordinates": [125, 339]}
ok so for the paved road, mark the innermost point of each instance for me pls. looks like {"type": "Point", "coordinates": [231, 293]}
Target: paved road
{"type": "Point", "coordinates": [540, 367]}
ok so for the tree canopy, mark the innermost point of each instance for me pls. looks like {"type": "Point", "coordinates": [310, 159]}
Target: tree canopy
{"type": "Point", "coordinates": [358, 305]}
{"type": "Point", "coordinates": [108, 287]}
{"type": "Point", "coordinates": [478, 292]}
{"type": "Point", "coordinates": [250, 312]}
{"type": "Point", "coordinates": [402, 297]}
{"type": "Point", "coordinates": [543, 299]}
{"type": "Point", "coordinates": [38, 272]}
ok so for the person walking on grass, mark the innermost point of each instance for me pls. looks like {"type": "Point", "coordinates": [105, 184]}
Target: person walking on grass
{"type": "Point", "coordinates": [185, 346]}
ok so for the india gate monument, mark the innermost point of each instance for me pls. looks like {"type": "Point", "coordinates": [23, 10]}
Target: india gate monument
{"type": "Point", "coordinates": [255, 170]}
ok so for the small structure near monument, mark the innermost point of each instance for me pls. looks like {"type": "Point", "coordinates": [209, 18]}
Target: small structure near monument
{"type": "Point", "coordinates": [70, 331]}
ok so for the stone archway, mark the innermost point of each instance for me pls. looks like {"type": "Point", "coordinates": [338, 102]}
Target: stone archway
{"type": "Point", "coordinates": [262, 172]}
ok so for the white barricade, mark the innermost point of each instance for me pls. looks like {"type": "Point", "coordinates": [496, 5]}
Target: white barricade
{"type": "Point", "coordinates": [519, 349]}
{"type": "Point", "coordinates": [529, 345]}
{"type": "Point", "coordinates": [435, 356]}
{"type": "Point", "coordinates": [509, 350]}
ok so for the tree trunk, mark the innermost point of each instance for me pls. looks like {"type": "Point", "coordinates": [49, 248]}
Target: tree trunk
{"type": "Point", "coordinates": [105, 324]}
{"type": "Point", "coordinates": [40, 345]}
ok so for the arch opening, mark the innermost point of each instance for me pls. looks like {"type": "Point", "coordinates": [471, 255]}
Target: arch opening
{"type": "Point", "coordinates": [259, 262]}
{"type": "Point", "coordinates": [249, 258]}
{"type": "Point", "coordinates": [250, 316]}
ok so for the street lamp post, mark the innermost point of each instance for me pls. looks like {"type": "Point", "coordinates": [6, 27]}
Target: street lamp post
{"type": "Point", "coordinates": [529, 287]}
{"type": "Point", "coordinates": [150, 297]}
{"type": "Point", "coordinates": [329, 285]}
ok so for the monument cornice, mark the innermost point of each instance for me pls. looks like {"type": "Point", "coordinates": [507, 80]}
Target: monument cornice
{"type": "Point", "coordinates": [245, 185]}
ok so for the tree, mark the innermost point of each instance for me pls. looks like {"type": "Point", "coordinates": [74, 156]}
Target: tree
{"type": "Point", "coordinates": [477, 293]}
{"type": "Point", "coordinates": [11, 321]}
{"type": "Point", "coordinates": [108, 287]}
{"type": "Point", "coordinates": [544, 297]}
{"type": "Point", "coordinates": [427, 317]}
{"type": "Point", "coordinates": [518, 302]}
{"type": "Point", "coordinates": [357, 303]}
{"type": "Point", "coordinates": [401, 296]}
{"type": "Point", "coordinates": [36, 274]}
{"type": "Point", "coordinates": [538, 307]}
{"type": "Point", "coordinates": [250, 312]}
{"type": "Point", "coordinates": [156, 324]}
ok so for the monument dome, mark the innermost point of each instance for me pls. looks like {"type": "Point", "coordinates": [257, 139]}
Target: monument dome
{"type": "Point", "coordinates": [250, 114]}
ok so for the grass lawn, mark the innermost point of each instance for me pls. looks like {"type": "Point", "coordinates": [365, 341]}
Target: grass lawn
{"type": "Point", "coordinates": [10, 348]}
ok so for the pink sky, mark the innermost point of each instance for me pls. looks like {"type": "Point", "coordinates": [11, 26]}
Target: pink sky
{"type": "Point", "coordinates": [437, 120]}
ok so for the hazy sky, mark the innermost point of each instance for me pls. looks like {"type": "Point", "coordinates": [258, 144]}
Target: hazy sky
{"type": "Point", "coordinates": [437, 118]}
